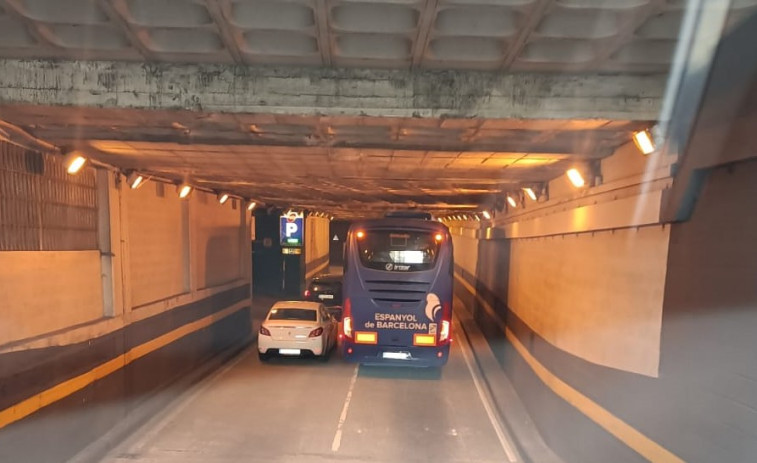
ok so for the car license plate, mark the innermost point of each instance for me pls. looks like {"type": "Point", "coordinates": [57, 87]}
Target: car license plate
{"type": "Point", "coordinates": [396, 355]}
{"type": "Point", "coordinates": [326, 296]}
{"type": "Point", "coordinates": [289, 351]}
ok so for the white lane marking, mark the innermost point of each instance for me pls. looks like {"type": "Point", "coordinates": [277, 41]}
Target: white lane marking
{"type": "Point", "coordinates": [503, 439]}
{"type": "Point", "coordinates": [337, 442]}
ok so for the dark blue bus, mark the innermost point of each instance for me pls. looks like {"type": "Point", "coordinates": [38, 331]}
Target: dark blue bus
{"type": "Point", "coordinates": [397, 292]}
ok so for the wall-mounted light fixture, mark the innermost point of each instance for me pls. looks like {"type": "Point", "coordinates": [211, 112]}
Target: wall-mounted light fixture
{"type": "Point", "coordinates": [511, 201]}
{"type": "Point", "coordinates": [74, 161]}
{"type": "Point", "coordinates": [222, 197]}
{"type": "Point", "coordinates": [530, 193]}
{"type": "Point", "coordinates": [184, 189]}
{"type": "Point", "coordinates": [251, 205]}
{"type": "Point", "coordinates": [575, 178]}
{"type": "Point", "coordinates": [487, 215]}
{"type": "Point", "coordinates": [644, 141]}
{"type": "Point", "coordinates": [135, 180]}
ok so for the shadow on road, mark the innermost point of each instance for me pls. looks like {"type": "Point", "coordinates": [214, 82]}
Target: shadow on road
{"type": "Point", "coordinates": [415, 374]}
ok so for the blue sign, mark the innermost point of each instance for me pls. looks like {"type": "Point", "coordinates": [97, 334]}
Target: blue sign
{"type": "Point", "coordinates": [292, 229]}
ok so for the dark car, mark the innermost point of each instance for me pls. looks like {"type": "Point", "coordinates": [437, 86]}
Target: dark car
{"type": "Point", "coordinates": [326, 289]}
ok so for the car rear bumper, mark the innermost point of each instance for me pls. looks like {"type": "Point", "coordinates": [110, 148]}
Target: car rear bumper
{"type": "Point", "coordinates": [267, 345]}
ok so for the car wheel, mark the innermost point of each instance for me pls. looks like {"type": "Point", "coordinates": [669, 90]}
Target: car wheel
{"type": "Point", "coordinates": [263, 357]}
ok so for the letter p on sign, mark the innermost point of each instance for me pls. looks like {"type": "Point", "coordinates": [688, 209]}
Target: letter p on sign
{"type": "Point", "coordinates": [291, 228]}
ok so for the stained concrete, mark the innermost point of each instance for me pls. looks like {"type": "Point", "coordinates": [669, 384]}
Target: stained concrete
{"type": "Point", "coordinates": [318, 91]}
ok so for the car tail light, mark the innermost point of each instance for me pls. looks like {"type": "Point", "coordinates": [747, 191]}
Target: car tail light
{"type": "Point", "coordinates": [316, 332]}
{"type": "Point", "coordinates": [307, 293]}
{"type": "Point", "coordinates": [264, 331]}
{"type": "Point", "coordinates": [347, 318]}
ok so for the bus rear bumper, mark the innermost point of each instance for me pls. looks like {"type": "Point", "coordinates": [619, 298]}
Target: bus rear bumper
{"type": "Point", "coordinates": [395, 355]}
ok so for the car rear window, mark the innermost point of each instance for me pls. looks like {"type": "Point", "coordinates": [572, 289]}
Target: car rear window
{"type": "Point", "coordinates": [309, 315]}
{"type": "Point", "coordinates": [323, 286]}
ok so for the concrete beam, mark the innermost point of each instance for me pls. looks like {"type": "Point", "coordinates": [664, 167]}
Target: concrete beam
{"type": "Point", "coordinates": [319, 91]}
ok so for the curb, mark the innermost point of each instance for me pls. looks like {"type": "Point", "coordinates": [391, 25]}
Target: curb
{"type": "Point", "coordinates": [158, 402]}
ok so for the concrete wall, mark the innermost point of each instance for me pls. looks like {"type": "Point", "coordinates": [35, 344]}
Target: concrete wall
{"type": "Point", "coordinates": [709, 355]}
{"type": "Point", "coordinates": [216, 239]}
{"type": "Point", "coordinates": [105, 329]}
{"type": "Point", "coordinates": [157, 243]}
{"type": "Point", "coordinates": [44, 291]}
{"type": "Point", "coordinates": [632, 343]}
{"type": "Point", "coordinates": [596, 296]}
{"type": "Point", "coordinates": [569, 292]}
{"type": "Point", "coordinates": [316, 246]}
{"type": "Point", "coordinates": [48, 227]}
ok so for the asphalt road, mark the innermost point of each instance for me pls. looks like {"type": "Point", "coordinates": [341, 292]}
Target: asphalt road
{"type": "Point", "coordinates": [305, 411]}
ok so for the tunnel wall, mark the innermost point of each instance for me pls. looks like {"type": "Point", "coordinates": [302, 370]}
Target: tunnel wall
{"type": "Point", "coordinates": [316, 246]}
{"type": "Point", "coordinates": [569, 293]}
{"type": "Point", "coordinates": [48, 223]}
{"type": "Point", "coordinates": [100, 335]}
{"type": "Point", "coordinates": [158, 244]}
{"type": "Point", "coordinates": [634, 343]}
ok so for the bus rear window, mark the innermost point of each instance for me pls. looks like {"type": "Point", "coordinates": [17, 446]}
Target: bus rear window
{"type": "Point", "coordinates": [398, 250]}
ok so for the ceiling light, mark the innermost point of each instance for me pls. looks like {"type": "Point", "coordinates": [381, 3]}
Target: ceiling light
{"type": "Point", "coordinates": [184, 190]}
{"type": "Point", "coordinates": [74, 161]}
{"type": "Point", "coordinates": [511, 201]}
{"type": "Point", "coordinates": [251, 205]}
{"type": "Point", "coordinates": [575, 178]}
{"type": "Point", "coordinates": [530, 193]}
{"type": "Point", "coordinates": [223, 197]}
{"type": "Point", "coordinates": [644, 142]}
{"type": "Point", "coordinates": [487, 215]}
{"type": "Point", "coordinates": [135, 180]}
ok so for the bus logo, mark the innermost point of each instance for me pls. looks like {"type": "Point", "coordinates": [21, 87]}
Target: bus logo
{"type": "Point", "coordinates": [433, 306]}
{"type": "Point", "coordinates": [390, 266]}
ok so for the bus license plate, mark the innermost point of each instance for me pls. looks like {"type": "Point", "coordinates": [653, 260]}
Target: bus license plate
{"type": "Point", "coordinates": [396, 355]}
{"type": "Point", "coordinates": [289, 351]}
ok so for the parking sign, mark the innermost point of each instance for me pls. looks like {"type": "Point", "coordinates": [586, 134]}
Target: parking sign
{"type": "Point", "coordinates": [292, 226]}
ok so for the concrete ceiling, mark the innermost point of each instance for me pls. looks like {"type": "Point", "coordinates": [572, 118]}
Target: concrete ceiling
{"type": "Point", "coordinates": [510, 35]}
{"type": "Point", "coordinates": [445, 147]}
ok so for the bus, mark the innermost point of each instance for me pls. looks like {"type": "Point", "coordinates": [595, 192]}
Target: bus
{"type": "Point", "coordinates": [397, 288]}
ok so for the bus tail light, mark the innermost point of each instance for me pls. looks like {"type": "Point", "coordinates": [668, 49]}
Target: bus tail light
{"type": "Point", "coordinates": [366, 337]}
{"type": "Point", "coordinates": [347, 318]}
{"type": "Point", "coordinates": [444, 332]}
{"type": "Point", "coordinates": [444, 329]}
{"type": "Point", "coordinates": [420, 339]}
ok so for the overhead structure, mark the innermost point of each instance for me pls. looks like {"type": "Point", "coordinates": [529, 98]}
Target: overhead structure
{"type": "Point", "coordinates": [346, 107]}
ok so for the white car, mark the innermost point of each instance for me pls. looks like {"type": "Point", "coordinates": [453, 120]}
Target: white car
{"type": "Point", "coordinates": [297, 328]}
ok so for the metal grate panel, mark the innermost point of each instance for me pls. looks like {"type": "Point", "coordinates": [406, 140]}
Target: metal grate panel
{"type": "Point", "coordinates": [42, 208]}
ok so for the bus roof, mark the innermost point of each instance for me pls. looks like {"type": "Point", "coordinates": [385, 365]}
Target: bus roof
{"type": "Point", "coordinates": [418, 224]}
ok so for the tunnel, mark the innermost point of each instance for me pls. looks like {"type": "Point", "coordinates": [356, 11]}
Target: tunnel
{"type": "Point", "coordinates": [171, 169]}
